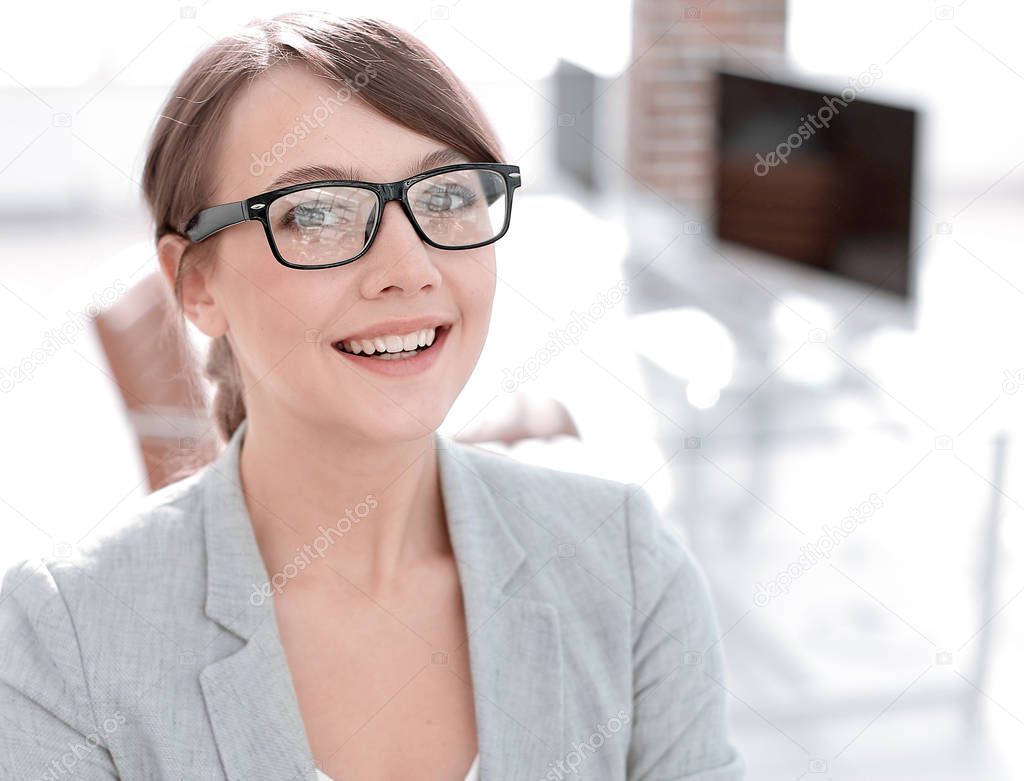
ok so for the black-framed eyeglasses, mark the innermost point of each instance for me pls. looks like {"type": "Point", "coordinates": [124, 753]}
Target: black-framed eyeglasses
{"type": "Point", "coordinates": [332, 222]}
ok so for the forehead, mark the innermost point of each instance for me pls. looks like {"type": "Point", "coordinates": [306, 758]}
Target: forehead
{"type": "Point", "coordinates": [290, 118]}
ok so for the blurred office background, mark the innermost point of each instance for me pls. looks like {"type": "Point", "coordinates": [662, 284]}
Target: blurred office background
{"type": "Point", "coordinates": [803, 341]}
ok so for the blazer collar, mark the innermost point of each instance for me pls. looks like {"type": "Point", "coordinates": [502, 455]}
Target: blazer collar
{"type": "Point", "coordinates": [516, 656]}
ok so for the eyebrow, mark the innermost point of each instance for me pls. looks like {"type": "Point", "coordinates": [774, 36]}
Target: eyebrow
{"type": "Point", "coordinates": [315, 172]}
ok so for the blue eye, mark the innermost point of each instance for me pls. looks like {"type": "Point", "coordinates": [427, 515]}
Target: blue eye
{"type": "Point", "coordinates": [314, 215]}
{"type": "Point", "coordinates": [446, 198]}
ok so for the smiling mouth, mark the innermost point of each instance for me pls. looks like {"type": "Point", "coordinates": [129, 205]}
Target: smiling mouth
{"type": "Point", "coordinates": [393, 355]}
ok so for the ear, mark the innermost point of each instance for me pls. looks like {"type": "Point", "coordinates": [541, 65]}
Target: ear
{"type": "Point", "coordinates": [198, 301]}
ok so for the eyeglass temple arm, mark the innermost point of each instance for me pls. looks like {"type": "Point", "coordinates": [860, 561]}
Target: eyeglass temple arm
{"type": "Point", "coordinates": [209, 221]}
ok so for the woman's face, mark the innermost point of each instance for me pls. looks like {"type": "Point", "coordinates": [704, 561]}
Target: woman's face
{"type": "Point", "coordinates": [284, 323]}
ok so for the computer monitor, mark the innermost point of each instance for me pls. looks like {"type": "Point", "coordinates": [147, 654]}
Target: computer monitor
{"type": "Point", "coordinates": [817, 175]}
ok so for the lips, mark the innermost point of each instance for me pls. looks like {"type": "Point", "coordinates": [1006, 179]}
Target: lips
{"type": "Point", "coordinates": [417, 341]}
{"type": "Point", "coordinates": [396, 326]}
{"type": "Point", "coordinates": [399, 364]}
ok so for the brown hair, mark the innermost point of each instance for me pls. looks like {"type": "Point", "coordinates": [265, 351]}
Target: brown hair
{"type": "Point", "coordinates": [383, 65]}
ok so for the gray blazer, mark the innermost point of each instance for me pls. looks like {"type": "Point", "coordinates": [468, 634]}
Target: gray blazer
{"type": "Point", "coordinates": [593, 640]}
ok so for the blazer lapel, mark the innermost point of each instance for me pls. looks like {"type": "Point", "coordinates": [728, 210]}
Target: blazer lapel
{"type": "Point", "coordinates": [516, 657]}
{"type": "Point", "coordinates": [249, 694]}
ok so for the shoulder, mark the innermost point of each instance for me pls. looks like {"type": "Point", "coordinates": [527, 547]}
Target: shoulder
{"type": "Point", "coordinates": [543, 504]}
{"type": "Point", "coordinates": [77, 624]}
{"type": "Point", "coordinates": [536, 486]}
{"type": "Point", "coordinates": [157, 535]}
{"type": "Point", "coordinates": [144, 554]}
{"type": "Point", "coordinates": [609, 522]}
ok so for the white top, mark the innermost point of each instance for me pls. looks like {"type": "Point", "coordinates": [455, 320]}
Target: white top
{"type": "Point", "coordinates": [472, 775]}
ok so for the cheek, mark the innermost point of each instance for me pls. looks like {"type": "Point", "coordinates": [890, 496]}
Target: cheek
{"type": "Point", "coordinates": [471, 286]}
{"type": "Point", "coordinates": [247, 254]}
{"type": "Point", "coordinates": [475, 283]}
{"type": "Point", "coordinates": [272, 310]}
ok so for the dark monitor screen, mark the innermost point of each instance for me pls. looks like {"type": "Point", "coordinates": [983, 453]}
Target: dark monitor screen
{"type": "Point", "coordinates": [824, 179]}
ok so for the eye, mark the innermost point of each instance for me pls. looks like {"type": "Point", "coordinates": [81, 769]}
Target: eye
{"type": "Point", "coordinates": [317, 215]}
{"type": "Point", "coordinates": [451, 197]}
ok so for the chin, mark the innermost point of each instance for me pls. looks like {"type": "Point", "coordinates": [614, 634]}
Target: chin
{"type": "Point", "coordinates": [390, 423]}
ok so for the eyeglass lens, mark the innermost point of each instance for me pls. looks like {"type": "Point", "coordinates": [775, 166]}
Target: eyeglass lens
{"type": "Point", "coordinates": [330, 224]}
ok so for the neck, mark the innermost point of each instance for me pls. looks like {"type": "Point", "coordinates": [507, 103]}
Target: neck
{"type": "Point", "coordinates": [326, 509]}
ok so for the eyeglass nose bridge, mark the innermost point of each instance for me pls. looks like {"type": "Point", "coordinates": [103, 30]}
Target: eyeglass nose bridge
{"type": "Point", "coordinates": [391, 192]}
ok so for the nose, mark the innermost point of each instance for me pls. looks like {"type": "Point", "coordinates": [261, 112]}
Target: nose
{"type": "Point", "coordinates": [398, 262]}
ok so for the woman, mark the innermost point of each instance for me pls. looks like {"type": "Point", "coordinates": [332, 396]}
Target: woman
{"type": "Point", "coordinates": [351, 595]}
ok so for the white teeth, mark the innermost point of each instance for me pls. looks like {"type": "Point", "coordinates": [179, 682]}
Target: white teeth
{"type": "Point", "coordinates": [392, 343]}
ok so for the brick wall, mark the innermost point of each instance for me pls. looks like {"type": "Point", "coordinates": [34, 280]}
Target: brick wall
{"type": "Point", "coordinates": [675, 46]}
